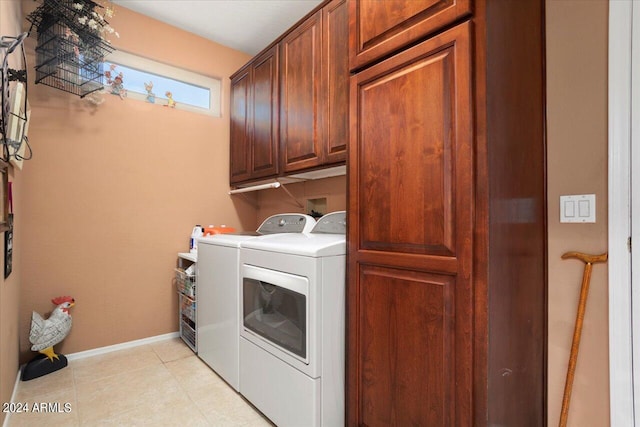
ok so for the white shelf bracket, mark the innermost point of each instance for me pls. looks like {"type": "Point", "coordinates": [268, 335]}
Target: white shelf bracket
{"type": "Point", "coordinates": [300, 205]}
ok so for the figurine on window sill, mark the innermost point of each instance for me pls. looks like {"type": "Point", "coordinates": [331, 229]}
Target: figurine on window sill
{"type": "Point", "coordinates": [151, 97]}
{"type": "Point", "coordinates": [170, 102]}
{"type": "Point", "coordinates": [117, 86]}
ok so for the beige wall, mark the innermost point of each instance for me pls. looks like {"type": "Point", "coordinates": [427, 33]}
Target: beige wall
{"type": "Point", "coordinates": [577, 164]}
{"type": "Point", "coordinates": [10, 25]}
{"type": "Point", "coordinates": [276, 200]}
{"type": "Point", "coordinates": [113, 191]}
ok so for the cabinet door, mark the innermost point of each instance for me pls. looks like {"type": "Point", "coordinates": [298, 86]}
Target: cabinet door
{"type": "Point", "coordinates": [379, 28]}
{"type": "Point", "coordinates": [300, 100]}
{"type": "Point", "coordinates": [335, 38]}
{"type": "Point", "coordinates": [240, 131]}
{"type": "Point", "coordinates": [264, 143]}
{"type": "Point", "coordinates": [410, 297]}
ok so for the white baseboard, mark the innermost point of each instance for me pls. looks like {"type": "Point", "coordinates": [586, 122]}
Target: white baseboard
{"type": "Point", "coordinates": [95, 352]}
{"type": "Point", "coordinates": [13, 399]}
{"type": "Point", "coordinates": [121, 346]}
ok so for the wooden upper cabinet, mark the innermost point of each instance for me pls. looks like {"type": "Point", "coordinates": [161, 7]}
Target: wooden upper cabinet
{"type": "Point", "coordinates": [300, 95]}
{"type": "Point", "coordinates": [240, 129]}
{"type": "Point", "coordinates": [254, 119]}
{"type": "Point", "coordinates": [383, 27]}
{"type": "Point", "coordinates": [335, 20]}
{"type": "Point", "coordinates": [290, 104]}
{"type": "Point", "coordinates": [314, 99]}
{"type": "Point", "coordinates": [264, 158]}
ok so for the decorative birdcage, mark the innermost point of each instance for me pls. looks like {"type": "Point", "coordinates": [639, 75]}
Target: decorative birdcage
{"type": "Point", "coordinates": [71, 48]}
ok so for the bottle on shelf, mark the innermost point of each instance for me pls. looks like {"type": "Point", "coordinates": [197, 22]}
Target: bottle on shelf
{"type": "Point", "coordinates": [198, 231]}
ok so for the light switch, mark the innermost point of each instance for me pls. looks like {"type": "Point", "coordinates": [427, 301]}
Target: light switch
{"type": "Point", "coordinates": [569, 209]}
{"type": "Point", "coordinates": [578, 208]}
{"type": "Point", "coordinates": [583, 208]}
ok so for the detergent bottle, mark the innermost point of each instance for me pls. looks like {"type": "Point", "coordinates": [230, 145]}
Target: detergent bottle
{"type": "Point", "coordinates": [198, 231]}
{"type": "Point", "coordinates": [211, 230]}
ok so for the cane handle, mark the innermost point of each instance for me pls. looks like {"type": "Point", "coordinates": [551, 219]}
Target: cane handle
{"type": "Point", "coordinates": [586, 258]}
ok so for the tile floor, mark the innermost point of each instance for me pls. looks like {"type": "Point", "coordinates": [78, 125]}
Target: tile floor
{"type": "Point", "coordinates": [159, 384]}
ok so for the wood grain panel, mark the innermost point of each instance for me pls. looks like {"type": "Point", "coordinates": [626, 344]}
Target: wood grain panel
{"type": "Point", "coordinates": [442, 264]}
{"type": "Point", "coordinates": [379, 28]}
{"type": "Point", "coordinates": [335, 26]}
{"type": "Point", "coordinates": [264, 159]}
{"type": "Point", "coordinates": [414, 147]}
{"type": "Point", "coordinates": [407, 347]}
{"type": "Point", "coordinates": [517, 232]}
{"type": "Point", "coordinates": [411, 218]}
{"type": "Point", "coordinates": [240, 128]}
{"type": "Point", "coordinates": [300, 101]}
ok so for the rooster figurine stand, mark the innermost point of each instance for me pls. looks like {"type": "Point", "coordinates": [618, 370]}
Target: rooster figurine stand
{"type": "Point", "coordinates": [44, 335]}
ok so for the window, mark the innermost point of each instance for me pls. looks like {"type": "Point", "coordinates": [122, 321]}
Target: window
{"type": "Point", "coordinates": [163, 84]}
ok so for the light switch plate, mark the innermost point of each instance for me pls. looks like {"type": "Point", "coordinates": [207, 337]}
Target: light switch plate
{"type": "Point", "coordinates": [578, 208]}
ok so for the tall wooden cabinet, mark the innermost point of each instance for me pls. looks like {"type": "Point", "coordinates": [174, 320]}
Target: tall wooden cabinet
{"type": "Point", "coordinates": [446, 207]}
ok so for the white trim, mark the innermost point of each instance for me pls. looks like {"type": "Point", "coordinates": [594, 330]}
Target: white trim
{"type": "Point", "coordinates": [121, 346]}
{"type": "Point", "coordinates": [5, 423]}
{"type": "Point", "coordinates": [635, 204]}
{"type": "Point", "coordinates": [620, 332]}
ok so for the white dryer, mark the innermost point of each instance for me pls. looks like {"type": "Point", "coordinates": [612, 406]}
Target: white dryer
{"type": "Point", "coordinates": [218, 318]}
{"type": "Point", "coordinates": [293, 324]}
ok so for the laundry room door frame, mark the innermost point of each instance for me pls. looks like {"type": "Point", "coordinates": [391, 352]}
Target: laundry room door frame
{"type": "Point", "coordinates": [624, 200]}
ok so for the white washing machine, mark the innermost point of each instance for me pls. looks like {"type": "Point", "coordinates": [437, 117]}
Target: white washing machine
{"type": "Point", "coordinates": [218, 321]}
{"type": "Point", "coordinates": [293, 324]}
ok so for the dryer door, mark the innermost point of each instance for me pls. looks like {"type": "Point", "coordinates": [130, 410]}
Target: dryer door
{"type": "Point", "coordinates": [275, 307]}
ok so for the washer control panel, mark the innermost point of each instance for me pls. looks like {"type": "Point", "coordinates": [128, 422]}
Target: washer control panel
{"type": "Point", "coordinates": [332, 223]}
{"type": "Point", "coordinates": [287, 223]}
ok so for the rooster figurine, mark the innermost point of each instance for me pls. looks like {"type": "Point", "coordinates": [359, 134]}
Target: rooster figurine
{"type": "Point", "coordinates": [47, 333]}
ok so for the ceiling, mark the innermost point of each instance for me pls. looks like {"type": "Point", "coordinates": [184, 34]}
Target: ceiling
{"type": "Point", "coordinates": [245, 25]}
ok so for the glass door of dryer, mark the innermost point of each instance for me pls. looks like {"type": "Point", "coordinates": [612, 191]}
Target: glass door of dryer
{"type": "Point", "coordinates": [275, 306]}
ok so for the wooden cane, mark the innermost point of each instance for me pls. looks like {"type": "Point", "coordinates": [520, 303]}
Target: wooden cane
{"type": "Point", "coordinates": [589, 260]}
